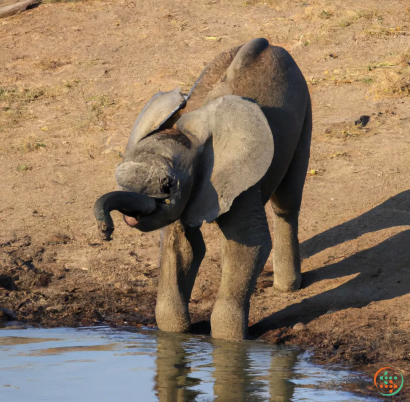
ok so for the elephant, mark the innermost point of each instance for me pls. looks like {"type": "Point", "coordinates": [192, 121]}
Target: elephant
{"type": "Point", "coordinates": [238, 139]}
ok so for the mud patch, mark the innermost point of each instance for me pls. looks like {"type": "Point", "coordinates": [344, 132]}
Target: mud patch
{"type": "Point", "coordinates": [71, 349]}
{"type": "Point", "coordinates": [19, 340]}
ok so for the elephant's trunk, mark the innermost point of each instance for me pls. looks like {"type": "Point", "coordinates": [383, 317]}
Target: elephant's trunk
{"type": "Point", "coordinates": [124, 202]}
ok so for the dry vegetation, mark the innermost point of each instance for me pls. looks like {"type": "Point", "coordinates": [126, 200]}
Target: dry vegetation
{"type": "Point", "coordinates": [75, 74]}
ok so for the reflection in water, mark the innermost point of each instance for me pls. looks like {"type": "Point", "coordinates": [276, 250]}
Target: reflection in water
{"type": "Point", "coordinates": [242, 373]}
{"type": "Point", "coordinates": [282, 365]}
{"type": "Point", "coordinates": [238, 371]}
{"type": "Point", "coordinates": [234, 369]}
{"type": "Point", "coordinates": [105, 365]}
{"type": "Point", "coordinates": [173, 377]}
{"type": "Point", "coordinates": [233, 375]}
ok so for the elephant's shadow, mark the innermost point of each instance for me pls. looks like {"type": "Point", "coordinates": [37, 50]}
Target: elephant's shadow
{"type": "Point", "coordinates": [382, 272]}
{"type": "Point", "coordinates": [393, 212]}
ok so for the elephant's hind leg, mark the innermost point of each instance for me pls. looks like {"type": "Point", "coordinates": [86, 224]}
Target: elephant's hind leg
{"type": "Point", "coordinates": [246, 246]}
{"type": "Point", "coordinates": [286, 258]}
{"type": "Point", "coordinates": [286, 203]}
{"type": "Point", "coordinates": [182, 250]}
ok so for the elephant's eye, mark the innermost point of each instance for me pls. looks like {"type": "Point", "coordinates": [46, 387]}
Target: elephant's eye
{"type": "Point", "coordinates": [165, 185]}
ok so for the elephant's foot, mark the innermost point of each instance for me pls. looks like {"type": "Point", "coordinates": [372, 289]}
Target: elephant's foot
{"type": "Point", "coordinates": [171, 314]}
{"type": "Point", "coordinates": [229, 321]}
{"type": "Point", "coordinates": [287, 283]}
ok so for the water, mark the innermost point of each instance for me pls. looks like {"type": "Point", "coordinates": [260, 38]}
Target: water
{"type": "Point", "coordinates": [102, 364]}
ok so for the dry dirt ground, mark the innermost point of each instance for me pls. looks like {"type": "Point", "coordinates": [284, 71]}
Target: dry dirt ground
{"type": "Point", "coordinates": [73, 78]}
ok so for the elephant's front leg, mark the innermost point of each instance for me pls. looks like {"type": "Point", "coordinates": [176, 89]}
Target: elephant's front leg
{"type": "Point", "coordinates": [246, 245]}
{"type": "Point", "coordinates": [182, 250]}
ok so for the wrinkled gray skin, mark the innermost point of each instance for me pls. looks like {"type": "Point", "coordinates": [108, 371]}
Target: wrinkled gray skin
{"type": "Point", "coordinates": [240, 139]}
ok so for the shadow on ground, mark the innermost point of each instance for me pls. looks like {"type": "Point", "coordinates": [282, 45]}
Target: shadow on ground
{"type": "Point", "coordinates": [393, 212]}
{"type": "Point", "coordinates": [382, 272]}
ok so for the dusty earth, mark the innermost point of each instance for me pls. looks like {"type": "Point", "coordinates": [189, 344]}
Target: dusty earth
{"type": "Point", "coordinates": [73, 78]}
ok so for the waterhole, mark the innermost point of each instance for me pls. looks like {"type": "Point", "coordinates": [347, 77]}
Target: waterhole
{"type": "Point", "coordinates": [103, 364]}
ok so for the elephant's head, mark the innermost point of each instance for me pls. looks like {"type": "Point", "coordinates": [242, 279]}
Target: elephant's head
{"type": "Point", "coordinates": [188, 167]}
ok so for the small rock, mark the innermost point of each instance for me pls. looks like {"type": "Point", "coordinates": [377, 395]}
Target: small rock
{"type": "Point", "coordinates": [299, 327]}
{"type": "Point", "coordinates": [363, 120]}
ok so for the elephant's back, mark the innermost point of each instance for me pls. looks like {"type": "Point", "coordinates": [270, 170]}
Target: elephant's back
{"type": "Point", "coordinates": [264, 73]}
{"type": "Point", "coordinates": [273, 80]}
{"type": "Point", "coordinates": [209, 77]}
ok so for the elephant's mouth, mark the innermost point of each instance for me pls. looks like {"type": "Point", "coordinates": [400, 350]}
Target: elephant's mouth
{"type": "Point", "coordinates": [132, 220]}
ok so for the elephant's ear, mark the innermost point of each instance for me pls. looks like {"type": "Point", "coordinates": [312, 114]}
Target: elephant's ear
{"type": "Point", "coordinates": [160, 108]}
{"type": "Point", "coordinates": [235, 145]}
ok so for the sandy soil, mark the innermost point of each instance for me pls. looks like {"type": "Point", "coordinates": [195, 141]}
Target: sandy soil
{"type": "Point", "coordinates": [73, 78]}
